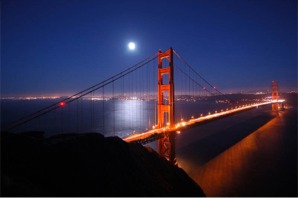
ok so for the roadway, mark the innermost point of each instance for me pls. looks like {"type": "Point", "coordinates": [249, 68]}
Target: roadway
{"type": "Point", "coordinates": [192, 122]}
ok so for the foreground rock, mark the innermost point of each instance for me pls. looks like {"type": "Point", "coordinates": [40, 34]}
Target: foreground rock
{"type": "Point", "coordinates": [87, 165]}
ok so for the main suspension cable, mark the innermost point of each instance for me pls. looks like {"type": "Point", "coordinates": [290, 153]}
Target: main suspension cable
{"type": "Point", "coordinates": [80, 94]}
{"type": "Point", "coordinates": [213, 87]}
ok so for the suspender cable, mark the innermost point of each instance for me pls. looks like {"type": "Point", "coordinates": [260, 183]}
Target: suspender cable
{"type": "Point", "coordinates": [195, 81]}
{"type": "Point", "coordinates": [103, 110]}
{"type": "Point", "coordinates": [113, 108]}
{"type": "Point", "coordinates": [213, 87]}
{"type": "Point", "coordinates": [81, 93]}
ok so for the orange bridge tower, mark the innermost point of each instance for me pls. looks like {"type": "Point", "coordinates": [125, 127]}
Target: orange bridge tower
{"type": "Point", "coordinates": [274, 96]}
{"type": "Point", "coordinates": [165, 106]}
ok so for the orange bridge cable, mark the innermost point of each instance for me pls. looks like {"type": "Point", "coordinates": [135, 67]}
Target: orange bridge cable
{"type": "Point", "coordinates": [121, 96]}
{"type": "Point", "coordinates": [183, 72]}
{"type": "Point", "coordinates": [213, 87]}
{"type": "Point", "coordinates": [111, 80]}
{"type": "Point", "coordinates": [145, 61]}
{"type": "Point", "coordinates": [81, 93]}
{"type": "Point", "coordinates": [222, 96]}
{"type": "Point", "coordinates": [113, 106]}
{"type": "Point", "coordinates": [77, 115]}
{"type": "Point", "coordinates": [103, 110]}
{"type": "Point", "coordinates": [62, 117]}
{"type": "Point", "coordinates": [92, 111]}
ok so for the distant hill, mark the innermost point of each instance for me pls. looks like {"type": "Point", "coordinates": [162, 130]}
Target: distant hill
{"type": "Point", "coordinates": [87, 165]}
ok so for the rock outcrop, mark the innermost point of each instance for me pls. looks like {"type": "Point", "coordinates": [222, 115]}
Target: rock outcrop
{"type": "Point", "coordinates": [87, 165]}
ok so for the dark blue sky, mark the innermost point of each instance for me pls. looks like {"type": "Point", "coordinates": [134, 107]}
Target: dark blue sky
{"type": "Point", "coordinates": [64, 46]}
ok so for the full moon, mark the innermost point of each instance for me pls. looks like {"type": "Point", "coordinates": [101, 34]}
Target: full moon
{"type": "Point", "coordinates": [131, 45]}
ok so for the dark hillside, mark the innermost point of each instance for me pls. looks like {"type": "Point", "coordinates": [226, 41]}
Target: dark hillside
{"type": "Point", "coordinates": [87, 165]}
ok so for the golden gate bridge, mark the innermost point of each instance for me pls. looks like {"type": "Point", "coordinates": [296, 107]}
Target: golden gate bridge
{"type": "Point", "coordinates": [163, 87]}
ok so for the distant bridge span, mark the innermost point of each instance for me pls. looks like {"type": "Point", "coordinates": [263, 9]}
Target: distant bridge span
{"type": "Point", "coordinates": [154, 134]}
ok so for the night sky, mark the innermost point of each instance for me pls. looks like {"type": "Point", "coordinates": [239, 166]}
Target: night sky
{"type": "Point", "coordinates": [52, 47]}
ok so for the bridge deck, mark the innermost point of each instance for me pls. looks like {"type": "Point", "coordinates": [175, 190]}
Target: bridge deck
{"type": "Point", "coordinates": [140, 136]}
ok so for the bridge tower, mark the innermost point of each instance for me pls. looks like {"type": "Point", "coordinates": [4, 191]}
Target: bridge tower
{"type": "Point", "coordinates": [275, 95]}
{"type": "Point", "coordinates": [165, 106]}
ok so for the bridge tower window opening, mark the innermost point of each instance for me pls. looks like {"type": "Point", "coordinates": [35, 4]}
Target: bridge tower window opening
{"type": "Point", "coordinates": [165, 98]}
{"type": "Point", "coordinates": [165, 79]}
{"type": "Point", "coordinates": [165, 62]}
{"type": "Point", "coordinates": [165, 119]}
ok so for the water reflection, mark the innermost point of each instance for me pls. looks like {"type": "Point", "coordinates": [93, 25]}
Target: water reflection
{"type": "Point", "coordinates": [132, 116]}
{"type": "Point", "coordinates": [251, 167]}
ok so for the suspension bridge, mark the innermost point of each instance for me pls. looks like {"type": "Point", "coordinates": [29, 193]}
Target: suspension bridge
{"type": "Point", "coordinates": [149, 101]}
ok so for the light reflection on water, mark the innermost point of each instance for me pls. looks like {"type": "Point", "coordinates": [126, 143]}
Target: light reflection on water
{"type": "Point", "coordinates": [253, 166]}
{"type": "Point", "coordinates": [220, 176]}
{"type": "Point", "coordinates": [111, 118]}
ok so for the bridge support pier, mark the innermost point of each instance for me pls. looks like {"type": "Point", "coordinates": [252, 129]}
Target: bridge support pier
{"type": "Point", "coordinates": [165, 106]}
{"type": "Point", "coordinates": [166, 147]}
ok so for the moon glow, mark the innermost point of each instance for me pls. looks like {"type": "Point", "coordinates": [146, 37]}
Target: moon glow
{"type": "Point", "coordinates": [131, 46]}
